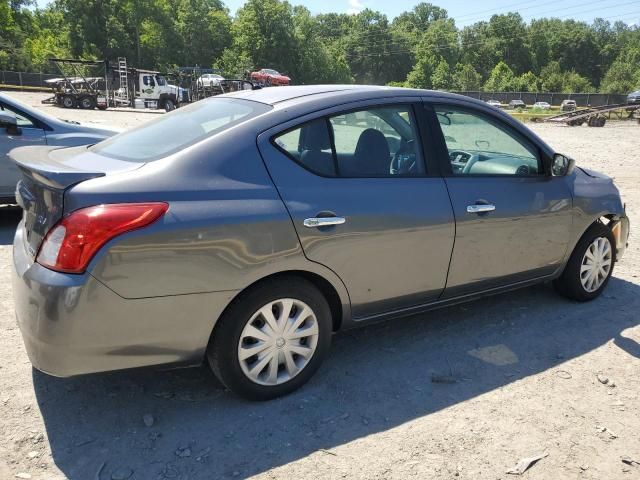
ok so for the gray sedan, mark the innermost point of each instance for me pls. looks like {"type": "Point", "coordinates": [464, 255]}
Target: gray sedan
{"type": "Point", "coordinates": [22, 125]}
{"type": "Point", "coordinates": [247, 228]}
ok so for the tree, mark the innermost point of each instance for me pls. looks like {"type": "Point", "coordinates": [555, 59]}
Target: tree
{"type": "Point", "coordinates": [551, 78]}
{"type": "Point", "coordinates": [527, 82]}
{"type": "Point", "coordinates": [574, 82]}
{"type": "Point", "coordinates": [411, 25]}
{"type": "Point", "coordinates": [622, 77]}
{"type": "Point", "coordinates": [441, 78]}
{"type": "Point", "coordinates": [466, 78]}
{"type": "Point", "coordinates": [374, 54]}
{"type": "Point", "coordinates": [501, 79]}
{"type": "Point", "coordinates": [263, 32]}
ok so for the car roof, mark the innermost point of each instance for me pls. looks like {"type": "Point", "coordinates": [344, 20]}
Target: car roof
{"type": "Point", "coordinates": [301, 93]}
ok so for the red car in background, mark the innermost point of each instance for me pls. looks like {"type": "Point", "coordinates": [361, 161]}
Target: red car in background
{"type": "Point", "coordinates": [269, 77]}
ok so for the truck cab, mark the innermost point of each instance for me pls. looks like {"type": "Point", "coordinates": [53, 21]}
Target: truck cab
{"type": "Point", "coordinates": [154, 89]}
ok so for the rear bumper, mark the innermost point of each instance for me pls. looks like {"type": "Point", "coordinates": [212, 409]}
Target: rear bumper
{"type": "Point", "coordinates": [74, 324]}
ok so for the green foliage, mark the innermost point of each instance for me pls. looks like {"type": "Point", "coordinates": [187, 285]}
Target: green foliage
{"type": "Point", "coordinates": [466, 78]}
{"type": "Point", "coordinates": [441, 79]}
{"type": "Point", "coordinates": [419, 48]}
{"type": "Point", "coordinates": [527, 82]}
{"type": "Point", "coordinates": [574, 82]}
{"type": "Point", "coordinates": [501, 79]}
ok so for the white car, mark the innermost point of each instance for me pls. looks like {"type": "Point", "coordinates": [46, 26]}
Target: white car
{"type": "Point", "coordinates": [22, 125]}
{"type": "Point", "coordinates": [542, 105]}
{"type": "Point", "coordinates": [210, 80]}
{"type": "Point", "coordinates": [494, 103]}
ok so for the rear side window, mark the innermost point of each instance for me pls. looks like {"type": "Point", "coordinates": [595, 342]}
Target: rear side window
{"type": "Point", "coordinates": [377, 142]}
{"type": "Point", "coordinates": [179, 129]}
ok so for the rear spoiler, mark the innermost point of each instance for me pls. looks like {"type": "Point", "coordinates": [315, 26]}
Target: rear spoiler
{"type": "Point", "coordinates": [38, 164]}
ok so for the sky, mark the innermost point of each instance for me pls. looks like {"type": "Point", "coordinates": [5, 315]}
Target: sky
{"type": "Point", "coordinates": [466, 12]}
{"type": "Point", "coordinates": [627, 11]}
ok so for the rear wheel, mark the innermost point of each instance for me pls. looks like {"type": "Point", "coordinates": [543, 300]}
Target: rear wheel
{"type": "Point", "coordinates": [87, 103]}
{"type": "Point", "coordinates": [272, 339]}
{"type": "Point", "coordinates": [68, 101]}
{"type": "Point", "coordinates": [590, 265]}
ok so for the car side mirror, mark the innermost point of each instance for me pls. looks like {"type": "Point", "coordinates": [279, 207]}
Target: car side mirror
{"type": "Point", "coordinates": [562, 165]}
{"type": "Point", "coordinates": [9, 121]}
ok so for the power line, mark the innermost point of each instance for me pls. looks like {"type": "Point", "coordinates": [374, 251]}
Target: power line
{"type": "Point", "coordinates": [532, 16]}
{"type": "Point", "coordinates": [479, 42]}
{"type": "Point", "coordinates": [384, 43]}
{"type": "Point", "coordinates": [496, 9]}
{"type": "Point", "coordinates": [499, 11]}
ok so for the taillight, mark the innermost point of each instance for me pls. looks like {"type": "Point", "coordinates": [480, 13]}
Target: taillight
{"type": "Point", "coordinates": [71, 244]}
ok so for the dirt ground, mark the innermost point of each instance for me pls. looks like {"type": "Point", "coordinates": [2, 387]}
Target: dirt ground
{"type": "Point", "coordinates": [524, 366]}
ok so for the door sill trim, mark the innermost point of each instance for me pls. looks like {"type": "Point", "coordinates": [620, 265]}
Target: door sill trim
{"type": "Point", "coordinates": [416, 309]}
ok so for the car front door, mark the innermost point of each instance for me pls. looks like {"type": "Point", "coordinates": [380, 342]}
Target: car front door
{"type": "Point", "coordinates": [30, 132]}
{"type": "Point", "coordinates": [364, 203]}
{"type": "Point", "coordinates": [513, 220]}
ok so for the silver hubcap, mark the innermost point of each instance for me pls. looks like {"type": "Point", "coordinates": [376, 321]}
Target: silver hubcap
{"type": "Point", "coordinates": [596, 264]}
{"type": "Point", "coordinates": [278, 341]}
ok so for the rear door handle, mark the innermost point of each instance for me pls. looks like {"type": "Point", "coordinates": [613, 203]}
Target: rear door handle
{"type": "Point", "coordinates": [316, 222]}
{"type": "Point", "coordinates": [481, 208]}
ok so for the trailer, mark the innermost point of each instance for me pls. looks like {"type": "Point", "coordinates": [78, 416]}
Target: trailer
{"type": "Point", "coordinates": [192, 78]}
{"type": "Point", "coordinates": [595, 116]}
{"type": "Point", "coordinates": [75, 88]}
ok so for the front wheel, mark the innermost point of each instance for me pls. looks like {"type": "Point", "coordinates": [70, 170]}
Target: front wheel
{"type": "Point", "coordinates": [272, 339]}
{"type": "Point", "coordinates": [169, 105]}
{"type": "Point", "coordinates": [590, 265]}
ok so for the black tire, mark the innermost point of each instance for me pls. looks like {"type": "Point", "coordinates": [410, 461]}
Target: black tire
{"type": "Point", "coordinates": [68, 101]}
{"type": "Point", "coordinates": [87, 103]}
{"type": "Point", "coordinates": [169, 105]}
{"type": "Point", "coordinates": [601, 122]}
{"type": "Point", "coordinates": [222, 352]}
{"type": "Point", "coordinates": [569, 284]}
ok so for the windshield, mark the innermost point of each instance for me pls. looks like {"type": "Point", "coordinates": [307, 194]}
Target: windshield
{"type": "Point", "coordinates": [179, 129]}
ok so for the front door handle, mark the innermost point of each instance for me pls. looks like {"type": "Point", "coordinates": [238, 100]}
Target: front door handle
{"type": "Point", "coordinates": [316, 222]}
{"type": "Point", "coordinates": [481, 208]}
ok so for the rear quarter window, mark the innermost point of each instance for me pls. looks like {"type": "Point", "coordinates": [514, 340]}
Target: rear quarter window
{"type": "Point", "coordinates": [179, 129]}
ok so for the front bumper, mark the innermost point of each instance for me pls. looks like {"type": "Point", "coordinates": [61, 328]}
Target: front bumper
{"type": "Point", "coordinates": [74, 324]}
{"type": "Point", "coordinates": [620, 229]}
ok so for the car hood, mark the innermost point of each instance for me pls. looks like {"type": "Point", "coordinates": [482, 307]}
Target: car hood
{"type": "Point", "coordinates": [594, 174]}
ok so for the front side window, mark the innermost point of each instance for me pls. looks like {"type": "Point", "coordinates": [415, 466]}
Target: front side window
{"type": "Point", "coordinates": [377, 142]}
{"type": "Point", "coordinates": [21, 120]}
{"type": "Point", "coordinates": [179, 129]}
{"type": "Point", "coordinates": [478, 145]}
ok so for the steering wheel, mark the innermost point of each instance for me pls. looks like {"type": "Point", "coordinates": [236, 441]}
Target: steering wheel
{"type": "Point", "coordinates": [404, 160]}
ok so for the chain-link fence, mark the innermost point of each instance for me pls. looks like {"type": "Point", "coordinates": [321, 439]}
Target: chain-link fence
{"type": "Point", "coordinates": [26, 79]}
{"type": "Point", "coordinates": [582, 99]}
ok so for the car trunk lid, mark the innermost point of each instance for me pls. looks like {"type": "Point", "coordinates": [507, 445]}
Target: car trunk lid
{"type": "Point", "coordinates": [47, 173]}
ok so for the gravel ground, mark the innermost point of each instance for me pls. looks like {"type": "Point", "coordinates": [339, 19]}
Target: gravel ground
{"type": "Point", "coordinates": [531, 373]}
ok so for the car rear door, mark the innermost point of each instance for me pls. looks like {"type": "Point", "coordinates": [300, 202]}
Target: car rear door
{"type": "Point", "coordinates": [364, 204]}
{"type": "Point", "coordinates": [513, 220]}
